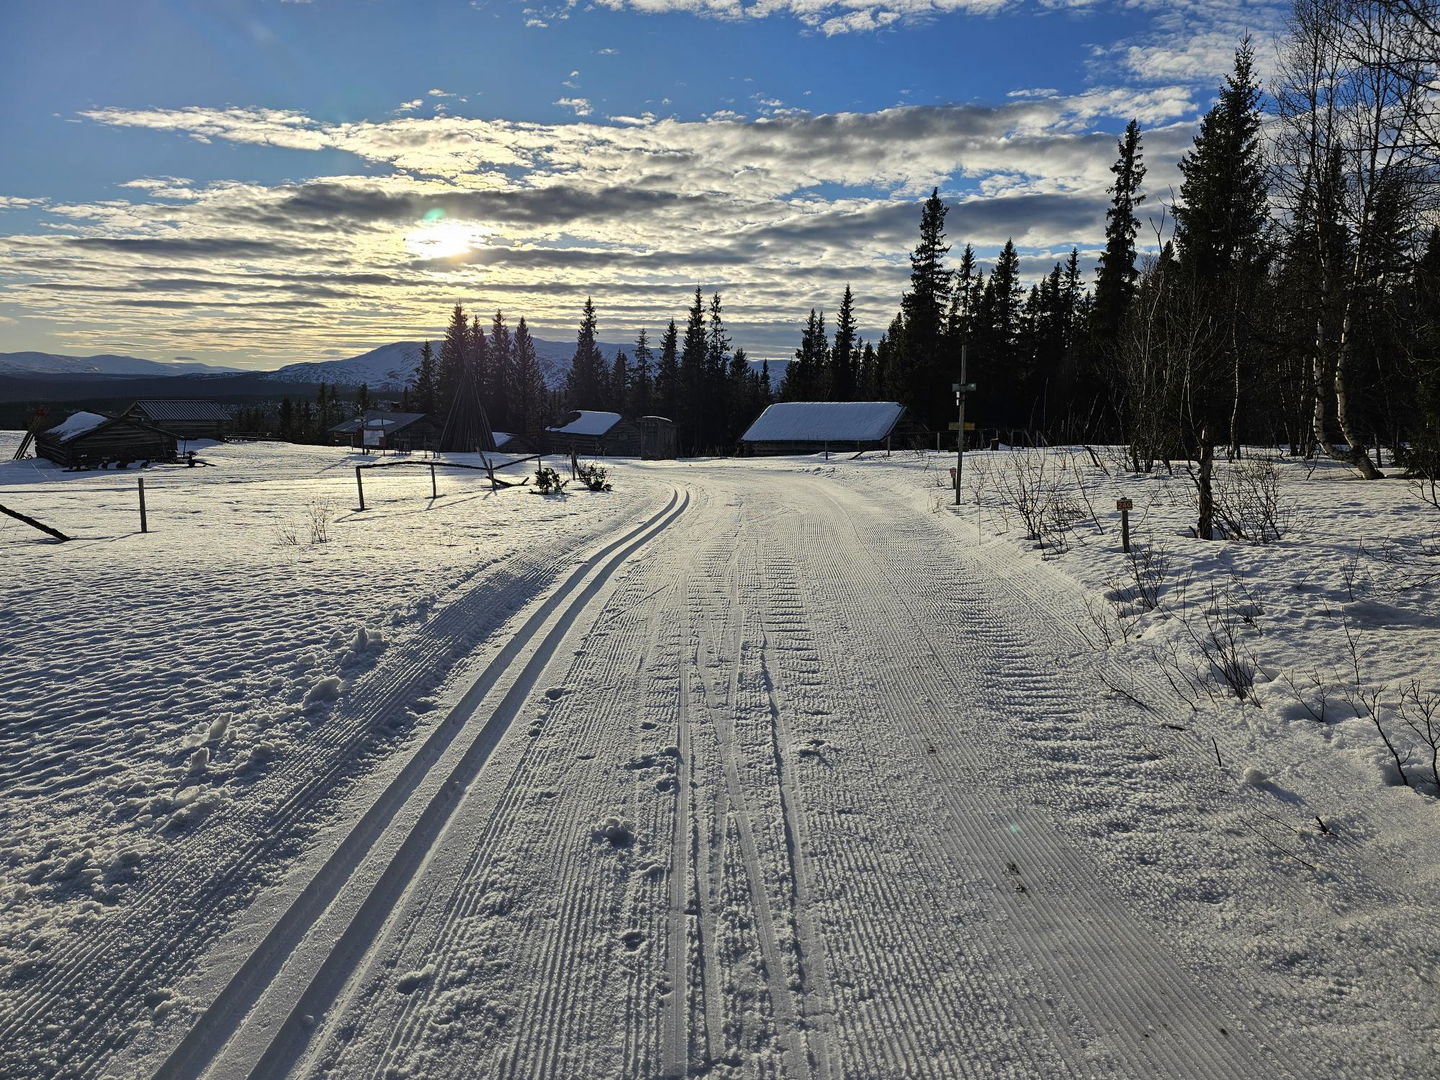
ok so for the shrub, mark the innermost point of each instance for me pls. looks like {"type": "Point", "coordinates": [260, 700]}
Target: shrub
{"type": "Point", "coordinates": [547, 481]}
{"type": "Point", "coordinates": [593, 477]}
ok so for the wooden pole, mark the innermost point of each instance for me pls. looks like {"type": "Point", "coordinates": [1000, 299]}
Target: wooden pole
{"type": "Point", "coordinates": [434, 491]}
{"type": "Point", "coordinates": [361, 485]}
{"type": "Point", "coordinates": [960, 434]}
{"type": "Point", "coordinates": [144, 524]}
{"type": "Point", "coordinates": [56, 533]}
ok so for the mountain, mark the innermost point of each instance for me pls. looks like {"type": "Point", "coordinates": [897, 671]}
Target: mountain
{"type": "Point", "coordinates": [393, 366]}
{"type": "Point", "coordinates": [39, 363]}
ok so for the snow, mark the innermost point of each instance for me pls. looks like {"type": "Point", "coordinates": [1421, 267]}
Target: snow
{"type": "Point", "coordinates": [589, 422]}
{"type": "Point", "coordinates": [77, 424]}
{"type": "Point", "coordinates": [825, 421]}
{"type": "Point", "coordinates": [750, 768]}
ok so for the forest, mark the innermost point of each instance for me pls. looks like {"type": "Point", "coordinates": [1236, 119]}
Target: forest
{"type": "Point", "coordinates": [1287, 293]}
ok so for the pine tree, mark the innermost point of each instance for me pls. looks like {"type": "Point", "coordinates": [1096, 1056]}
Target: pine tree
{"type": "Point", "coordinates": [693, 356]}
{"type": "Point", "coordinates": [842, 359]}
{"type": "Point", "coordinates": [925, 367]}
{"type": "Point", "coordinates": [425, 388]}
{"type": "Point", "coordinates": [585, 384]}
{"type": "Point", "coordinates": [667, 375]}
{"type": "Point", "coordinates": [480, 362]}
{"type": "Point", "coordinates": [453, 353]}
{"type": "Point", "coordinates": [1116, 276]}
{"type": "Point", "coordinates": [1221, 233]}
{"type": "Point", "coordinates": [642, 377]}
{"type": "Point", "coordinates": [502, 374]}
{"type": "Point", "coordinates": [721, 395]}
{"type": "Point", "coordinates": [806, 375]}
{"type": "Point", "coordinates": [529, 393]}
{"type": "Point", "coordinates": [619, 382]}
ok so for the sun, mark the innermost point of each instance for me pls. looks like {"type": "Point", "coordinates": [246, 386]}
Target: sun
{"type": "Point", "coordinates": [445, 238]}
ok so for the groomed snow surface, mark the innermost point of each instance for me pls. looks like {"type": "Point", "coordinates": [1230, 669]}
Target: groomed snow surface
{"type": "Point", "coordinates": [786, 767]}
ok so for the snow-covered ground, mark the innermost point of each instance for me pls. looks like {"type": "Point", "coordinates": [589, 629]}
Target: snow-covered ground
{"type": "Point", "coordinates": [752, 768]}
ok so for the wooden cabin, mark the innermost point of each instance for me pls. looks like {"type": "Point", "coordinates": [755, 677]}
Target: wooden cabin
{"type": "Point", "coordinates": [591, 433]}
{"type": "Point", "coordinates": [88, 440]}
{"type": "Point", "coordinates": [659, 438]}
{"type": "Point", "coordinates": [808, 427]}
{"type": "Point", "coordinates": [379, 430]}
{"type": "Point", "coordinates": [185, 418]}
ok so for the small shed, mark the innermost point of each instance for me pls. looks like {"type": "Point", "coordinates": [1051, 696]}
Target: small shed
{"type": "Point", "coordinates": [186, 418]}
{"type": "Point", "coordinates": [806, 427]}
{"type": "Point", "coordinates": [594, 433]}
{"type": "Point", "coordinates": [659, 438]}
{"type": "Point", "coordinates": [92, 440]}
{"type": "Point", "coordinates": [378, 430]}
{"type": "Point", "coordinates": [509, 443]}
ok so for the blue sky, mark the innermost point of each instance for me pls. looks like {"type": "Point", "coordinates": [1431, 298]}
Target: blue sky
{"type": "Point", "coordinates": [255, 182]}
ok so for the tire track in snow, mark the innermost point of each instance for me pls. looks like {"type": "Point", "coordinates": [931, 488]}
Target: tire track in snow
{"type": "Point", "coordinates": [219, 1022]}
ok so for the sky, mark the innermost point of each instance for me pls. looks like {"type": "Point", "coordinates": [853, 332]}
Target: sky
{"type": "Point", "coordinates": [259, 182]}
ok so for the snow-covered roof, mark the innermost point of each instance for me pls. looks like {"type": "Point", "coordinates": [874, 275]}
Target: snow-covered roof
{"type": "Point", "coordinates": [77, 424]}
{"type": "Point", "coordinates": [587, 422]}
{"type": "Point", "coordinates": [386, 421]}
{"type": "Point", "coordinates": [825, 421]}
{"type": "Point", "coordinates": [180, 409]}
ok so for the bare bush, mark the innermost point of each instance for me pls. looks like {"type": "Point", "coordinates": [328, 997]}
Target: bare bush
{"type": "Point", "coordinates": [1221, 635]}
{"type": "Point", "coordinates": [1036, 486]}
{"type": "Point", "coordinates": [1420, 711]}
{"type": "Point", "coordinates": [1251, 503]}
{"type": "Point", "coordinates": [313, 526]}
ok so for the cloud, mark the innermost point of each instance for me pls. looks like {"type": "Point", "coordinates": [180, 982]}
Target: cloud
{"type": "Point", "coordinates": [827, 16]}
{"type": "Point", "coordinates": [580, 105]}
{"type": "Point", "coordinates": [777, 212]}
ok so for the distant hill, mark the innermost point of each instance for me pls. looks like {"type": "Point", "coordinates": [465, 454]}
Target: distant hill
{"type": "Point", "coordinates": [393, 366]}
{"type": "Point", "coordinates": [39, 363]}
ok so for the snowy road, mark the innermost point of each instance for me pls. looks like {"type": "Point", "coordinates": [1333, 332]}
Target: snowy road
{"type": "Point", "coordinates": [776, 775]}
{"type": "Point", "coordinates": [821, 735]}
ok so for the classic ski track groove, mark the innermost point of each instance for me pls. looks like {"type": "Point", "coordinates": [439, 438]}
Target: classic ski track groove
{"type": "Point", "coordinates": [246, 835]}
{"type": "Point", "coordinates": [216, 1025]}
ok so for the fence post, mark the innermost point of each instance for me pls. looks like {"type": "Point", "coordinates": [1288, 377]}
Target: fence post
{"type": "Point", "coordinates": [434, 492]}
{"type": "Point", "coordinates": [361, 485]}
{"type": "Point", "coordinates": [144, 524]}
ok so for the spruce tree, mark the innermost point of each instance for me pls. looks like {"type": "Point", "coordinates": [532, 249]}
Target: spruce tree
{"type": "Point", "coordinates": [842, 358]}
{"type": "Point", "coordinates": [529, 393]}
{"type": "Point", "coordinates": [693, 355]}
{"type": "Point", "coordinates": [619, 382]}
{"type": "Point", "coordinates": [642, 377]}
{"type": "Point", "coordinates": [453, 353]}
{"type": "Point", "coordinates": [667, 375]}
{"type": "Point", "coordinates": [502, 374]}
{"type": "Point", "coordinates": [425, 388]}
{"type": "Point", "coordinates": [1221, 235]}
{"type": "Point", "coordinates": [1116, 275]}
{"type": "Point", "coordinates": [585, 385]}
{"type": "Point", "coordinates": [925, 365]}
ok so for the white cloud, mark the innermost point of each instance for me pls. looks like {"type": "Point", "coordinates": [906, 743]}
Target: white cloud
{"type": "Point", "coordinates": [580, 105]}
{"type": "Point", "coordinates": [633, 208]}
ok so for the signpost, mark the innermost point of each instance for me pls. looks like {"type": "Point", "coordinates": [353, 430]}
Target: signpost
{"type": "Point", "coordinates": [961, 389]}
{"type": "Point", "coordinates": [1124, 506]}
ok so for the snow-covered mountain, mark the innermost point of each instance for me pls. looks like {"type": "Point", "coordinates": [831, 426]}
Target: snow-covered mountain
{"type": "Point", "coordinates": [39, 363]}
{"type": "Point", "coordinates": [393, 365]}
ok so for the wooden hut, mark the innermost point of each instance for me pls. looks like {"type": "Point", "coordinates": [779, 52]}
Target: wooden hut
{"type": "Point", "coordinates": [379, 430]}
{"type": "Point", "coordinates": [90, 440]}
{"type": "Point", "coordinates": [594, 434]}
{"type": "Point", "coordinates": [659, 438]}
{"type": "Point", "coordinates": [185, 418]}
{"type": "Point", "coordinates": [807, 427]}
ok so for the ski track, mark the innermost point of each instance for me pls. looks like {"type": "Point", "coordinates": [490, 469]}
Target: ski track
{"type": "Point", "coordinates": [846, 770]}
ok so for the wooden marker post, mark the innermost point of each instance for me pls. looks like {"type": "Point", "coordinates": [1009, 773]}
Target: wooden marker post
{"type": "Point", "coordinates": [144, 524]}
{"type": "Point", "coordinates": [1124, 506]}
{"type": "Point", "coordinates": [360, 484]}
{"type": "Point", "coordinates": [434, 491]}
